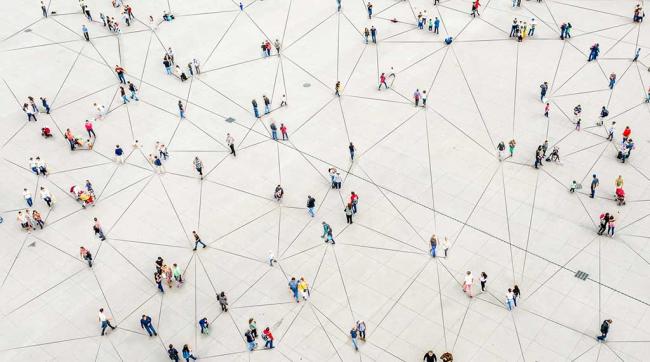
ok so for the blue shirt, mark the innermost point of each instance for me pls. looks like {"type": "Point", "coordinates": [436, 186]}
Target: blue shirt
{"type": "Point", "coordinates": [353, 333]}
{"type": "Point", "coordinates": [293, 285]}
{"type": "Point", "coordinates": [118, 152]}
{"type": "Point", "coordinates": [145, 322]}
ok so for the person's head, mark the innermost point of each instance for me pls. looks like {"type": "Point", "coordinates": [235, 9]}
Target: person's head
{"type": "Point", "coordinates": [483, 274]}
{"type": "Point", "coordinates": [609, 321]}
{"type": "Point", "coordinates": [509, 290]}
{"type": "Point", "coordinates": [144, 316]}
{"type": "Point", "coordinates": [171, 346]}
{"type": "Point", "coordinates": [468, 272]}
{"type": "Point", "coordinates": [594, 175]}
{"type": "Point", "coordinates": [267, 329]}
{"type": "Point", "coordinates": [101, 310]}
{"type": "Point", "coordinates": [430, 353]}
{"type": "Point", "coordinates": [95, 219]}
{"type": "Point", "coordinates": [293, 278]}
{"type": "Point", "coordinates": [117, 146]}
{"type": "Point", "coordinates": [516, 287]}
{"type": "Point", "coordinates": [250, 320]}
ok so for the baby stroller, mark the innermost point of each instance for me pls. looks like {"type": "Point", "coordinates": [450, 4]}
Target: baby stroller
{"type": "Point", "coordinates": [554, 156]}
{"type": "Point", "coordinates": [620, 197]}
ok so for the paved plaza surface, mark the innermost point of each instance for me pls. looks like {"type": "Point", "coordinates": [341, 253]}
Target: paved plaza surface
{"type": "Point", "coordinates": [418, 171]}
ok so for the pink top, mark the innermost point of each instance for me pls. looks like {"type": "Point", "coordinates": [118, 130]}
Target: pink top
{"type": "Point", "coordinates": [89, 126]}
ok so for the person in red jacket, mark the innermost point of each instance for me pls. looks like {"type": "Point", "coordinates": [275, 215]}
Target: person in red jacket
{"type": "Point", "coordinates": [382, 80]}
{"type": "Point", "coordinates": [626, 133]}
{"type": "Point", "coordinates": [268, 337]}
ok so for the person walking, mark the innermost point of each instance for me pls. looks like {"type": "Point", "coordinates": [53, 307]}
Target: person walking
{"type": "Point", "coordinates": [293, 286]}
{"type": "Point", "coordinates": [416, 97]}
{"type": "Point", "coordinates": [187, 353]}
{"type": "Point", "coordinates": [352, 149]}
{"type": "Point", "coordinates": [89, 128]}
{"type": "Point", "coordinates": [602, 225]}
{"type": "Point", "coordinates": [610, 132]}
{"type": "Point", "coordinates": [636, 55]}
{"type": "Point", "coordinates": [382, 81]}
{"type": "Point", "coordinates": [44, 9]}
{"type": "Point", "coordinates": [366, 34]}
{"type": "Point", "coordinates": [445, 245]}
{"type": "Point", "coordinates": [337, 88]}
{"type": "Point", "coordinates": [361, 328]}
{"type": "Point", "coordinates": [612, 80]}
{"type": "Point", "coordinates": [611, 225]}
{"type": "Point", "coordinates": [28, 197]}
{"type": "Point", "coordinates": [369, 8]}
{"type": "Point", "coordinates": [311, 205]}
{"type": "Point", "coordinates": [181, 109]}
{"type": "Point", "coordinates": [145, 323]}
{"type": "Point", "coordinates": [250, 340]}
{"type": "Point", "coordinates": [223, 301]}
{"type": "Point", "coordinates": [204, 325]}
{"type": "Point", "coordinates": [354, 200]}
{"type": "Point", "coordinates": [283, 131]}
{"type": "Point", "coordinates": [84, 30]}
{"type": "Point", "coordinates": [230, 141]}
{"type": "Point", "coordinates": [511, 147]}
{"type": "Point", "coordinates": [85, 254]}
{"type": "Point", "coordinates": [157, 277]}
{"type": "Point", "coordinates": [547, 108]}
{"type": "Point", "coordinates": [120, 74]}
{"type": "Point", "coordinates": [198, 166]}
{"type": "Point", "coordinates": [373, 34]}
{"type": "Point", "coordinates": [29, 112]}
{"type": "Point", "coordinates": [348, 213]}
{"type": "Point", "coordinates": [515, 293]}
{"type": "Point", "coordinates": [483, 280]}
{"type": "Point", "coordinates": [119, 154]}
{"type": "Point", "coordinates": [467, 283]}
{"type": "Point", "coordinates": [133, 91]}
{"type": "Point", "coordinates": [46, 196]}
{"type": "Point", "coordinates": [434, 244]}
{"type": "Point", "coordinates": [353, 336]}
{"type": "Point", "coordinates": [177, 273]}
{"type": "Point", "coordinates": [197, 240]}
{"type": "Point", "coordinates": [436, 26]}
{"type": "Point", "coordinates": [97, 228]}
{"type": "Point", "coordinates": [594, 184]}
{"type": "Point", "coordinates": [104, 321]}
{"type": "Point", "coordinates": [45, 105]}
{"type": "Point", "coordinates": [510, 299]}
{"type": "Point", "coordinates": [256, 110]}
{"type": "Point", "coordinates": [252, 326]}
{"type": "Point", "coordinates": [172, 353]}
{"type": "Point", "coordinates": [604, 330]}
{"type": "Point", "coordinates": [268, 338]}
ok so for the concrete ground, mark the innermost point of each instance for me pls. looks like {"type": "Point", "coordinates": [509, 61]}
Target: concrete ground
{"type": "Point", "coordinates": [417, 171]}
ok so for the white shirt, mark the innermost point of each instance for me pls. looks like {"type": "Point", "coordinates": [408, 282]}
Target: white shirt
{"type": "Point", "coordinates": [27, 195]}
{"type": "Point", "coordinates": [445, 243]}
{"type": "Point", "coordinates": [469, 279]}
{"type": "Point", "coordinates": [45, 193]}
{"type": "Point", "coordinates": [32, 164]}
{"type": "Point", "coordinates": [102, 317]}
{"type": "Point", "coordinates": [22, 219]}
{"type": "Point", "coordinates": [510, 296]}
{"type": "Point", "coordinates": [230, 140]}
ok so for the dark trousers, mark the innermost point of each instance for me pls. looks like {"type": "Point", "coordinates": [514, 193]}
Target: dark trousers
{"type": "Point", "coordinates": [349, 218]}
{"type": "Point", "coordinates": [196, 244]}
{"type": "Point", "coordinates": [89, 260]}
{"type": "Point", "coordinates": [86, 36]}
{"type": "Point", "coordinates": [482, 285]}
{"type": "Point", "coordinates": [232, 150]}
{"type": "Point", "coordinates": [150, 330]}
{"type": "Point", "coordinates": [106, 324]}
{"type": "Point", "coordinates": [91, 132]}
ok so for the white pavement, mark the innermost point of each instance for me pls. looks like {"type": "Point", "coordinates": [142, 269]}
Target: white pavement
{"type": "Point", "coordinates": [417, 171]}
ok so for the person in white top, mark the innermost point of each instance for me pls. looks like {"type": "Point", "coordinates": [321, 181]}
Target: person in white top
{"type": "Point", "coordinates": [467, 284]}
{"type": "Point", "coordinates": [105, 321]}
{"type": "Point", "coordinates": [46, 196]}
{"type": "Point", "coordinates": [230, 140]}
{"type": "Point", "coordinates": [445, 245]}
{"type": "Point", "coordinates": [510, 299]}
{"type": "Point", "coordinates": [197, 65]}
{"type": "Point", "coordinates": [101, 110]}
{"type": "Point", "coordinates": [24, 222]}
{"type": "Point", "coordinates": [28, 197]}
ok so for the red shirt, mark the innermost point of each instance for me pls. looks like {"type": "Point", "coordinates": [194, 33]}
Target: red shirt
{"type": "Point", "coordinates": [354, 198]}
{"type": "Point", "coordinates": [119, 70]}
{"type": "Point", "coordinates": [89, 126]}
{"type": "Point", "coordinates": [268, 335]}
{"type": "Point", "coordinates": [626, 132]}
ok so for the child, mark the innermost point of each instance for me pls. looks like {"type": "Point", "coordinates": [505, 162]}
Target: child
{"type": "Point", "coordinates": [573, 187]}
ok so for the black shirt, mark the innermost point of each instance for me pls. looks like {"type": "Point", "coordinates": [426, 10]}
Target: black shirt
{"type": "Point", "coordinates": [431, 358]}
{"type": "Point", "coordinates": [311, 202]}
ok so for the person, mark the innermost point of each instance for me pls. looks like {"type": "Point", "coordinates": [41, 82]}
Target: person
{"type": "Point", "coordinates": [223, 301]}
{"type": "Point", "coordinates": [382, 80]}
{"type": "Point", "coordinates": [187, 353]}
{"type": "Point", "coordinates": [611, 225]}
{"type": "Point", "coordinates": [46, 132]}
{"type": "Point", "coordinates": [500, 148]}
{"type": "Point", "coordinates": [604, 330]}
{"type": "Point", "coordinates": [293, 286]}
{"type": "Point", "coordinates": [353, 336]}
{"type": "Point", "coordinates": [252, 326]}
{"type": "Point", "coordinates": [255, 109]}
{"type": "Point", "coordinates": [483, 280]}
{"type": "Point", "coordinates": [278, 193]}
{"type": "Point", "coordinates": [573, 186]}
{"type": "Point", "coordinates": [271, 258]}
{"type": "Point", "coordinates": [198, 165]}
{"type": "Point", "coordinates": [157, 277]}
{"type": "Point", "coordinates": [145, 323]}
{"type": "Point", "coordinates": [46, 196]}
{"type": "Point", "coordinates": [274, 130]}
{"type": "Point", "coordinates": [104, 321]}
{"type": "Point", "coordinates": [177, 273]}
{"type": "Point", "coordinates": [510, 299]}
{"type": "Point", "coordinates": [250, 340]}
{"type": "Point", "coordinates": [181, 109]}
{"type": "Point", "coordinates": [430, 357]}
{"type": "Point", "coordinates": [327, 233]}
{"type": "Point", "coordinates": [366, 34]}
{"type": "Point", "coordinates": [354, 200]}
{"type": "Point", "coordinates": [416, 97]}
{"type": "Point", "coordinates": [361, 327]}
{"type": "Point", "coordinates": [337, 88]}
{"type": "Point", "coordinates": [230, 140]}
{"type": "Point", "coordinates": [172, 353]}
{"type": "Point", "coordinates": [448, 40]}
{"type": "Point", "coordinates": [434, 243]}
{"type": "Point", "coordinates": [445, 245]}
{"type": "Point", "coordinates": [283, 130]}
{"type": "Point", "coordinates": [84, 30]}
{"type": "Point", "coordinates": [626, 133]}
{"type": "Point", "coordinates": [204, 325]}
{"type": "Point", "coordinates": [610, 132]}
{"type": "Point", "coordinates": [311, 204]}
{"type": "Point", "coordinates": [337, 181]}
{"type": "Point", "coordinates": [85, 254]}
{"type": "Point", "coordinates": [38, 219]}
{"type": "Point", "coordinates": [119, 154]}
{"type": "Point", "coordinates": [28, 197]}
{"type": "Point", "coordinates": [547, 108]}
{"type": "Point", "coordinates": [373, 34]}
{"type": "Point", "coordinates": [97, 227]}
{"type": "Point", "coordinates": [303, 288]}
{"type": "Point", "coordinates": [352, 149]}
{"type": "Point", "coordinates": [516, 293]}
{"type": "Point", "coordinates": [120, 74]}
{"type": "Point", "coordinates": [594, 185]}
{"type": "Point", "coordinates": [467, 283]}
{"type": "Point", "coordinates": [268, 338]}
{"type": "Point", "coordinates": [602, 226]}
{"type": "Point", "coordinates": [511, 147]}
{"type": "Point", "coordinates": [612, 80]}
{"type": "Point", "coordinates": [197, 240]}
{"type": "Point", "coordinates": [267, 104]}
{"type": "Point", "coordinates": [133, 91]}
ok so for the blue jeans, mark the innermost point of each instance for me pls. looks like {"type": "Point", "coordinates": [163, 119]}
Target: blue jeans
{"type": "Point", "coordinates": [295, 294]}
{"type": "Point", "coordinates": [257, 112]}
{"type": "Point", "coordinates": [252, 345]}
{"type": "Point", "coordinates": [150, 330]}
{"type": "Point", "coordinates": [433, 251]}
{"type": "Point", "coordinates": [134, 96]}
{"type": "Point", "coordinates": [268, 344]}
{"type": "Point", "coordinates": [274, 134]}
{"type": "Point", "coordinates": [354, 343]}
{"type": "Point", "coordinates": [611, 84]}
{"type": "Point", "coordinates": [182, 113]}
{"type": "Point", "coordinates": [196, 244]}
{"type": "Point", "coordinates": [310, 210]}
{"type": "Point", "coordinates": [160, 287]}
{"type": "Point", "coordinates": [125, 99]}
{"type": "Point", "coordinates": [29, 201]}
{"type": "Point", "coordinates": [168, 70]}
{"type": "Point", "coordinates": [121, 77]}
{"type": "Point", "coordinates": [509, 304]}
{"type": "Point", "coordinates": [267, 109]}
